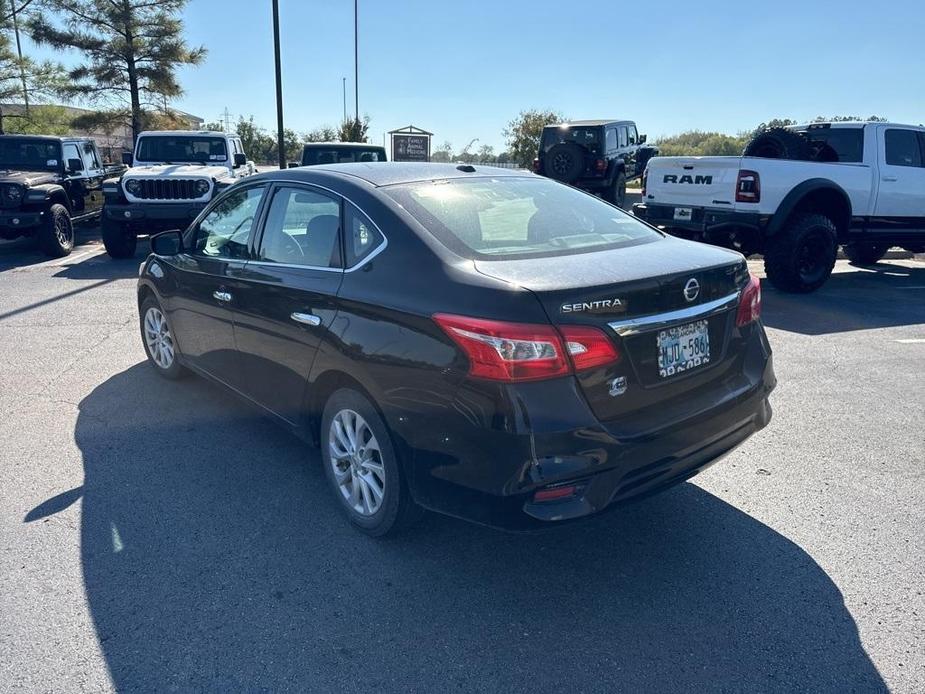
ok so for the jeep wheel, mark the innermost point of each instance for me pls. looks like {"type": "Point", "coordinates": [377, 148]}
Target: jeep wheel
{"type": "Point", "coordinates": [616, 194]}
{"type": "Point", "coordinates": [56, 235]}
{"type": "Point", "coordinates": [865, 253]}
{"type": "Point", "coordinates": [564, 162]}
{"type": "Point", "coordinates": [800, 257]}
{"type": "Point", "coordinates": [120, 241]}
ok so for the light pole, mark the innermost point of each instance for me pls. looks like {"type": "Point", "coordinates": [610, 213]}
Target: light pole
{"type": "Point", "coordinates": [345, 98]}
{"type": "Point", "coordinates": [279, 89]}
{"type": "Point", "coordinates": [356, 58]}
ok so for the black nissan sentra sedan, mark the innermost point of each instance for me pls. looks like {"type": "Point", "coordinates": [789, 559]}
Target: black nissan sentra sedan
{"type": "Point", "coordinates": [481, 342]}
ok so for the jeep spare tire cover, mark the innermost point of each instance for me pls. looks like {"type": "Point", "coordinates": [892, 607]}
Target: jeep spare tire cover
{"type": "Point", "coordinates": [779, 143]}
{"type": "Point", "coordinates": [565, 162]}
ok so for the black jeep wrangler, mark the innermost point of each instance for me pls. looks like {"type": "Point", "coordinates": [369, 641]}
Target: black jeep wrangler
{"type": "Point", "coordinates": [46, 185]}
{"type": "Point", "coordinates": [599, 156]}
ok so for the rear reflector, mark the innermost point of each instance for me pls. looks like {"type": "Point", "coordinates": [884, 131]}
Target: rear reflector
{"type": "Point", "coordinates": [555, 493]}
{"type": "Point", "coordinates": [750, 303]}
{"type": "Point", "coordinates": [503, 351]}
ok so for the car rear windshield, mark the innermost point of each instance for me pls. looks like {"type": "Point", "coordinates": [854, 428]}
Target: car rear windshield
{"type": "Point", "coordinates": [182, 148]}
{"type": "Point", "coordinates": [589, 137]}
{"type": "Point", "coordinates": [512, 217]}
{"type": "Point", "coordinates": [848, 143]}
{"type": "Point", "coordinates": [30, 155]}
{"type": "Point", "coordinates": [341, 155]}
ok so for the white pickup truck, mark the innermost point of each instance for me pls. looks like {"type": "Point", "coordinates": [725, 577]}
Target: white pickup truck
{"type": "Point", "coordinates": [859, 185]}
{"type": "Point", "coordinates": [173, 174]}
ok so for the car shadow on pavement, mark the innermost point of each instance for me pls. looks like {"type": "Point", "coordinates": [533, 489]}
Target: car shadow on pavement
{"type": "Point", "coordinates": [873, 296]}
{"type": "Point", "coordinates": [215, 558]}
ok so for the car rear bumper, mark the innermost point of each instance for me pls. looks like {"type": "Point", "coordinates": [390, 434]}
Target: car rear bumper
{"type": "Point", "coordinates": [702, 219]}
{"type": "Point", "coordinates": [177, 213]}
{"type": "Point", "coordinates": [486, 462]}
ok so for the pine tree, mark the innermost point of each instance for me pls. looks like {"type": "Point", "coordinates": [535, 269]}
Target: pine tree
{"type": "Point", "coordinates": [131, 49]}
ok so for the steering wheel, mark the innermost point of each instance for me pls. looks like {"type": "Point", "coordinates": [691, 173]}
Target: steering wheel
{"type": "Point", "coordinates": [289, 247]}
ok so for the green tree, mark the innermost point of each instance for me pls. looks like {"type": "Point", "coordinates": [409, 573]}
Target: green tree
{"type": "Point", "coordinates": [43, 119]}
{"type": "Point", "coordinates": [214, 126]}
{"type": "Point", "coordinates": [131, 51]}
{"type": "Point", "coordinates": [353, 130]}
{"type": "Point", "coordinates": [700, 143]}
{"type": "Point", "coordinates": [323, 134]}
{"type": "Point", "coordinates": [523, 134]}
{"type": "Point", "coordinates": [443, 153]}
{"type": "Point", "coordinates": [486, 155]}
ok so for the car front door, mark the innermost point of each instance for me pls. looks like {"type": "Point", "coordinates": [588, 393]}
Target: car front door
{"type": "Point", "coordinates": [288, 296]}
{"type": "Point", "coordinates": [900, 205]}
{"type": "Point", "coordinates": [208, 283]}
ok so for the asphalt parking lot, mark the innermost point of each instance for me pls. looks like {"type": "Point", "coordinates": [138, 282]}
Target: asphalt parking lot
{"type": "Point", "coordinates": [159, 536]}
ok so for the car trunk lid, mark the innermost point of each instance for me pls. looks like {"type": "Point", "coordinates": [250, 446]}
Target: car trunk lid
{"type": "Point", "coordinates": [693, 181]}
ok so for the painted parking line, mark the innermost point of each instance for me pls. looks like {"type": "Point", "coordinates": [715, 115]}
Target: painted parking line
{"type": "Point", "coordinates": [911, 341]}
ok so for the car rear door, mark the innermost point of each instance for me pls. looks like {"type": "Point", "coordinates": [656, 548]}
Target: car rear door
{"type": "Point", "coordinates": [207, 283]}
{"type": "Point", "coordinates": [900, 205]}
{"type": "Point", "coordinates": [288, 295]}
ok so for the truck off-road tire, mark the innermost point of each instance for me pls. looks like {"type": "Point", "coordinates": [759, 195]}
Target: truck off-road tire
{"type": "Point", "coordinates": [564, 162]}
{"type": "Point", "coordinates": [120, 241]}
{"type": "Point", "coordinates": [159, 341]}
{"type": "Point", "coordinates": [361, 464]}
{"type": "Point", "coordinates": [865, 253]}
{"type": "Point", "coordinates": [616, 194]}
{"type": "Point", "coordinates": [800, 257]}
{"type": "Point", "coordinates": [56, 234]}
{"type": "Point", "coordinates": [779, 143]}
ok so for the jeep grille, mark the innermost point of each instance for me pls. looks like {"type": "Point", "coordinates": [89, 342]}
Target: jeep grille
{"type": "Point", "coordinates": [168, 189]}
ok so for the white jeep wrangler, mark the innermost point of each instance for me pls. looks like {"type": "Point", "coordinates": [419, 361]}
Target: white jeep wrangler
{"type": "Point", "coordinates": [173, 174]}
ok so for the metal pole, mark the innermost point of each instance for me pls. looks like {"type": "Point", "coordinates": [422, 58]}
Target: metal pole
{"type": "Point", "coordinates": [356, 58]}
{"type": "Point", "coordinates": [22, 72]}
{"type": "Point", "coordinates": [345, 98]}
{"type": "Point", "coordinates": [279, 89]}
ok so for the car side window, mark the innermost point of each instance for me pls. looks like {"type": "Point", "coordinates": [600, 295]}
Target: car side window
{"type": "Point", "coordinates": [361, 237]}
{"type": "Point", "coordinates": [302, 229]}
{"type": "Point", "coordinates": [633, 135]}
{"type": "Point", "coordinates": [622, 132]}
{"type": "Point", "coordinates": [70, 151]}
{"type": "Point", "coordinates": [91, 161]}
{"type": "Point", "coordinates": [903, 148]}
{"type": "Point", "coordinates": [225, 231]}
{"type": "Point", "coordinates": [611, 141]}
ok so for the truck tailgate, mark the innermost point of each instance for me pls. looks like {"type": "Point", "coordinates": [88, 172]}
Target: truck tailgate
{"type": "Point", "coordinates": [694, 181]}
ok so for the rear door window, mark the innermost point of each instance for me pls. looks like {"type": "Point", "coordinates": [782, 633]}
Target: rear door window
{"type": "Point", "coordinates": [611, 138]}
{"type": "Point", "coordinates": [903, 148]}
{"type": "Point", "coordinates": [622, 134]}
{"type": "Point", "coordinates": [361, 237]}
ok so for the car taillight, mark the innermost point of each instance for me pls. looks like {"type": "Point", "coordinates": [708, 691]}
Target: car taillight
{"type": "Point", "coordinates": [600, 165]}
{"type": "Point", "coordinates": [645, 178]}
{"type": "Point", "coordinates": [750, 303]}
{"type": "Point", "coordinates": [503, 351]}
{"type": "Point", "coordinates": [536, 166]}
{"type": "Point", "coordinates": [748, 187]}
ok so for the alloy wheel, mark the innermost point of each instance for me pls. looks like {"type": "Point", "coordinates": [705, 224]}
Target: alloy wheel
{"type": "Point", "coordinates": [158, 338]}
{"type": "Point", "coordinates": [64, 232]}
{"type": "Point", "coordinates": [356, 461]}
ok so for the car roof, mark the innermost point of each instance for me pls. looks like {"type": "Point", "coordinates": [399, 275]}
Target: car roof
{"type": "Point", "coordinates": [386, 173]}
{"type": "Point", "coordinates": [214, 133]}
{"type": "Point", "coordinates": [588, 123]}
{"type": "Point", "coordinates": [350, 145]}
{"type": "Point", "coordinates": [50, 138]}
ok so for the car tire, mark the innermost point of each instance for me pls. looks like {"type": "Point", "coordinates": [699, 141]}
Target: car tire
{"type": "Point", "coordinates": [56, 234]}
{"type": "Point", "coordinates": [119, 240]}
{"type": "Point", "coordinates": [779, 143]}
{"type": "Point", "coordinates": [616, 194]}
{"type": "Point", "coordinates": [800, 257]}
{"type": "Point", "coordinates": [865, 253]}
{"type": "Point", "coordinates": [157, 337]}
{"type": "Point", "coordinates": [564, 162]}
{"type": "Point", "coordinates": [360, 460]}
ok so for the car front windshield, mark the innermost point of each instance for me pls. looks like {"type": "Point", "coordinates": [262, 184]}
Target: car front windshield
{"type": "Point", "coordinates": [512, 217]}
{"type": "Point", "coordinates": [171, 149]}
{"type": "Point", "coordinates": [30, 154]}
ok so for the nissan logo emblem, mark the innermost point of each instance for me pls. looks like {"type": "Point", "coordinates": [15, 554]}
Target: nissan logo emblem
{"type": "Point", "coordinates": [691, 289]}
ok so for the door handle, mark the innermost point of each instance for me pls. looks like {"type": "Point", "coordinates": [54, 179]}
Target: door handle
{"type": "Point", "coordinates": [222, 296]}
{"type": "Point", "coordinates": [890, 178]}
{"type": "Point", "coordinates": [306, 318]}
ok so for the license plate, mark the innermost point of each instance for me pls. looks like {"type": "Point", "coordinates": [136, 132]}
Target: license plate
{"type": "Point", "coordinates": [683, 348]}
{"type": "Point", "coordinates": [683, 214]}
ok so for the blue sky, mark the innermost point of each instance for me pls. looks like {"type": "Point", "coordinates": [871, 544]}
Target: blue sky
{"type": "Point", "coordinates": [463, 69]}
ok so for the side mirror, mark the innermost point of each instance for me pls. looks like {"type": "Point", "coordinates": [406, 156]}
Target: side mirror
{"type": "Point", "coordinates": [127, 158]}
{"type": "Point", "coordinates": [295, 164]}
{"type": "Point", "coordinates": [74, 166]}
{"type": "Point", "coordinates": [240, 159]}
{"type": "Point", "coordinates": [167, 242]}
{"type": "Point", "coordinates": [642, 139]}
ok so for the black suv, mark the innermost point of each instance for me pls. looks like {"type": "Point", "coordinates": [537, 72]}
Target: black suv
{"type": "Point", "coordinates": [47, 184]}
{"type": "Point", "coordinates": [599, 156]}
{"type": "Point", "coordinates": [339, 153]}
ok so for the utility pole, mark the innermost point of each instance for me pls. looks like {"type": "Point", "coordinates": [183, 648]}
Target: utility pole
{"type": "Point", "coordinates": [279, 89]}
{"type": "Point", "coordinates": [345, 98]}
{"type": "Point", "coordinates": [22, 71]}
{"type": "Point", "coordinates": [356, 58]}
{"type": "Point", "coordinates": [226, 120]}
